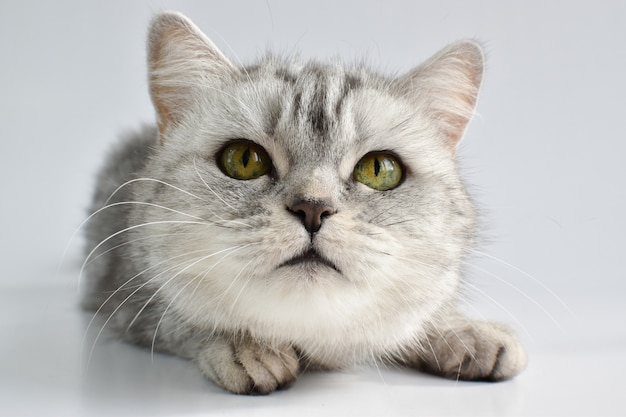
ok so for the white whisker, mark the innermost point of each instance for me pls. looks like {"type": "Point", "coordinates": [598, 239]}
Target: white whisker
{"type": "Point", "coordinates": [203, 275]}
{"type": "Point", "coordinates": [499, 305]}
{"type": "Point", "coordinates": [153, 180]}
{"type": "Point", "coordinates": [82, 269]}
{"type": "Point", "coordinates": [125, 285]}
{"type": "Point", "coordinates": [432, 349]}
{"type": "Point", "coordinates": [234, 303]}
{"type": "Point", "coordinates": [107, 205]}
{"type": "Point", "coordinates": [139, 239]}
{"type": "Point", "coordinates": [236, 248]}
{"type": "Point", "coordinates": [519, 290]}
{"type": "Point", "coordinates": [209, 187]}
{"type": "Point", "coordinates": [526, 274]}
{"type": "Point", "coordinates": [451, 328]}
{"type": "Point", "coordinates": [121, 203]}
{"type": "Point", "coordinates": [117, 308]}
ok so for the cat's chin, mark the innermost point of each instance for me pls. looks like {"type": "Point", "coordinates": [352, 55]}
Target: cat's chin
{"type": "Point", "coordinates": [311, 260]}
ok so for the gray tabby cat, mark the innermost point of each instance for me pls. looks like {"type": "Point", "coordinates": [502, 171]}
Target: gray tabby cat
{"type": "Point", "coordinates": [285, 216]}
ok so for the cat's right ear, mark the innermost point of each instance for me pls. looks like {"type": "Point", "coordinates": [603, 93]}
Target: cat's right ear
{"type": "Point", "coordinates": [181, 59]}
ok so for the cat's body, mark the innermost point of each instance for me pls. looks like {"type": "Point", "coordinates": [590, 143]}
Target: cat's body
{"type": "Point", "coordinates": [253, 274]}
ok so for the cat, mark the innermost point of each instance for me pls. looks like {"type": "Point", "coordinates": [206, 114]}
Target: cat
{"type": "Point", "coordinates": [286, 216]}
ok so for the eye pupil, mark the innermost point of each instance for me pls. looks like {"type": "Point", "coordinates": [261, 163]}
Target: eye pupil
{"type": "Point", "coordinates": [376, 166]}
{"type": "Point", "coordinates": [245, 158]}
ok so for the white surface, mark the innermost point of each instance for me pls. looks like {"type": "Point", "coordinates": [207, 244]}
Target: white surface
{"type": "Point", "coordinates": [545, 160]}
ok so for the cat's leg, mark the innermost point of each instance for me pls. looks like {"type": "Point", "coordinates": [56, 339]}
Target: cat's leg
{"type": "Point", "coordinates": [466, 349]}
{"type": "Point", "coordinates": [245, 366]}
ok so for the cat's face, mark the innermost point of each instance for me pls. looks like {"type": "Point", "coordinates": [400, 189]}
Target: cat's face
{"type": "Point", "coordinates": [317, 245]}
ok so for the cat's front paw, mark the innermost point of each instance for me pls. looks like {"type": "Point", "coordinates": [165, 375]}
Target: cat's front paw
{"type": "Point", "coordinates": [244, 366]}
{"type": "Point", "coordinates": [474, 350]}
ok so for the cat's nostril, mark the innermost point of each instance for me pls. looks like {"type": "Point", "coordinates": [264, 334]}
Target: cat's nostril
{"type": "Point", "coordinates": [312, 213]}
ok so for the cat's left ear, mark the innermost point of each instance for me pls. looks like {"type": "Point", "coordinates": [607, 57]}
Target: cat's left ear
{"type": "Point", "coordinates": [181, 60]}
{"type": "Point", "coordinates": [447, 86]}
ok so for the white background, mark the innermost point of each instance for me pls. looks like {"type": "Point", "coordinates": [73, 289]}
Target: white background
{"type": "Point", "coordinates": [545, 159]}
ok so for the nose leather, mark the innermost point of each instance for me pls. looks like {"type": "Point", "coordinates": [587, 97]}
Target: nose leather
{"type": "Point", "coordinates": [312, 213]}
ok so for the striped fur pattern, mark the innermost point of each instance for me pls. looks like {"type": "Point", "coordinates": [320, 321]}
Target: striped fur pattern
{"type": "Point", "coordinates": [224, 272]}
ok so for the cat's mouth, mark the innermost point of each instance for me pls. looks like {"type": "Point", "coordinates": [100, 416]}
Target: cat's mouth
{"type": "Point", "coordinates": [310, 257]}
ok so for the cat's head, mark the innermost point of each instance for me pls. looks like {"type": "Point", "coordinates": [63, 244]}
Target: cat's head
{"type": "Point", "coordinates": [306, 201]}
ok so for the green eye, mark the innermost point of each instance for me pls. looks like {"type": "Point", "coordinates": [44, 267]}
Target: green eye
{"type": "Point", "coordinates": [244, 160]}
{"type": "Point", "coordinates": [378, 170]}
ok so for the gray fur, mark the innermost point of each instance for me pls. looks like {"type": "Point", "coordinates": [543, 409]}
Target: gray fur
{"type": "Point", "coordinates": [187, 260]}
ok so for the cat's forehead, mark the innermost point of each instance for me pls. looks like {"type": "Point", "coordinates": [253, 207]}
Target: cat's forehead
{"type": "Point", "coordinates": [312, 95]}
{"type": "Point", "coordinates": [316, 108]}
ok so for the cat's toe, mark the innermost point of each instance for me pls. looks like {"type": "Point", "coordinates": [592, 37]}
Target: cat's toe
{"type": "Point", "coordinates": [474, 351]}
{"type": "Point", "coordinates": [269, 368]}
{"type": "Point", "coordinates": [246, 367]}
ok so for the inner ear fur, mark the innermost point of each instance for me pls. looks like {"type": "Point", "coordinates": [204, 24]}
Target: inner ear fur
{"type": "Point", "coordinates": [181, 59]}
{"type": "Point", "coordinates": [448, 85]}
